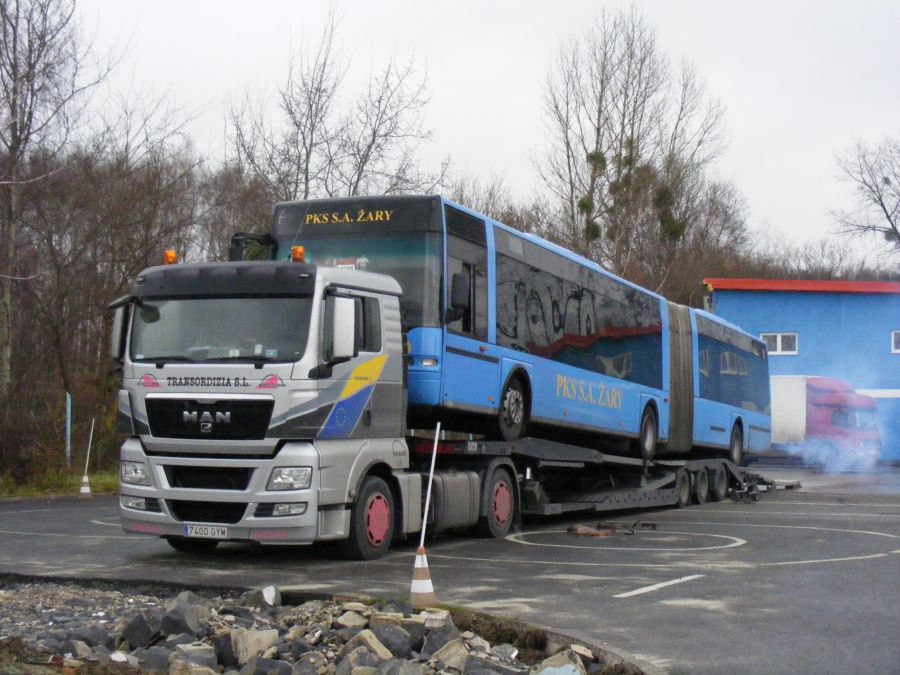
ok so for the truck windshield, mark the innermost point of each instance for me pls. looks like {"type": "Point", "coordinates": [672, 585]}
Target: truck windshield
{"type": "Point", "coordinates": [851, 418]}
{"type": "Point", "coordinates": [250, 329]}
{"type": "Point", "coordinates": [412, 258]}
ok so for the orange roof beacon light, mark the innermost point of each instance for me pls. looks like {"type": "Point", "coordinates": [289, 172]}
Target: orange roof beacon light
{"type": "Point", "coordinates": [298, 254]}
{"type": "Point", "coordinates": [170, 257]}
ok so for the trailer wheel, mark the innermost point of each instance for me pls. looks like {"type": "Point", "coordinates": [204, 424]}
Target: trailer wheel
{"type": "Point", "coordinates": [649, 433]}
{"type": "Point", "coordinates": [371, 521]}
{"type": "Point", "coordinates": [719, 484]}
{"type": "Point", "coordinates": [512, 418]}
{"type": "Point", "coordinates": [501, 506]}
{"type": "Point", "coordinates": [701, 486]}
{"type": "Point", "coordinates": [683, 489]}
{"type": "Point", "coordinates": [736, 447]}
{"type": "Point", "coordinates": [192, 545]}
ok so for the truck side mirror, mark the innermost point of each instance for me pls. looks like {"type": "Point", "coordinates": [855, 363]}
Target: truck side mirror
{"type": "Point", "coordinates": [344, 337]}
{"type": "Point", "coordinates": [117, 336]}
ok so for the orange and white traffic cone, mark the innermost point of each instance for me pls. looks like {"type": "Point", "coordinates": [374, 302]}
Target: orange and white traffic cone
{"type": "Point", "coordinates": [421, 592]}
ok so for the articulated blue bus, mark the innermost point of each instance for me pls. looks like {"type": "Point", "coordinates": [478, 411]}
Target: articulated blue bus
{"type": "Point", "coordinates": [512, 335]}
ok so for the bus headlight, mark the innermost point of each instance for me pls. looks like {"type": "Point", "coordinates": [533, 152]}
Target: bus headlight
{"type": "Point", "coordinates": [134, 473]}
{"type": "Point", "coordinates": [290, 478]}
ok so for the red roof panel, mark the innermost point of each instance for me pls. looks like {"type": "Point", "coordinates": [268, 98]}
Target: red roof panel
{"type": "Point", "coordinates": [802, 285]}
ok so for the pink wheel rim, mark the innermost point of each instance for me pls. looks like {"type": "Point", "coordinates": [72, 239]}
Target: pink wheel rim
{"type": "Point", "coordinates": [501, 503]}
{"type": "Point", "coordinates": [378, 519]}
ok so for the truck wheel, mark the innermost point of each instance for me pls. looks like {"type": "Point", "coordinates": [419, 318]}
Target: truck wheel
{"type": "Point", "coordinates": [683, 489]}
{"type": "Point", "coordinates": [371, 521]}
{"type": "Point", "coordinates": [192, 545]}
{"type": "Point", "coordinates": [501, 506]}
{"type": "Point", "coordinates": [736, 447]}
{"type": "Point", "coordinates": [701, 486]}
{"type": "Point", "coordinates": [649, 433]}
{"type": "Point", "coordinates": [719, 484]}
{"type": "Point", "coordinates": [512, 418]}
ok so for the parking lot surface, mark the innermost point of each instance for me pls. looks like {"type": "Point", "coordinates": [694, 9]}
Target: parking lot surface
{"type": "Point", "coordinates": [801, 581]}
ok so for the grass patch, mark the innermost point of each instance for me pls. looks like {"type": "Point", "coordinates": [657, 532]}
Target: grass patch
{"type": "Point", "coordinates": [56, 482]}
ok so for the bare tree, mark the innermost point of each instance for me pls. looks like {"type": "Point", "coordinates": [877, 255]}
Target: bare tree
{"type": "Point", "coordinates": [42, 80]}
{"type": "Point", "coordinates": [874, 175]}
{"type": "Point", "coordinates": [627, 148]}
{"type": "Point", "coordinates": [316, 149]}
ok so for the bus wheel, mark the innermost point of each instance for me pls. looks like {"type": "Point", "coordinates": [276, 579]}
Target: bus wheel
{"type": "Point", "coordinates": [192, 545]}
{"type": "Point", "coordinates": [501, 506]}
{"type": "Point", "coordinates": [682, 489]}
{"type": "Point", "coordinates": [736, 447]}
{"type": "Point", "coordinates": [649, 434]}
{"type": "Point", "coordinates": [701, 486]}
{"type": "Point", "coordinates": [371, 521]}
{"type": "Point", "coordinates": [719, 484]}
{"type": "Point", "coordinates": [513, 415]}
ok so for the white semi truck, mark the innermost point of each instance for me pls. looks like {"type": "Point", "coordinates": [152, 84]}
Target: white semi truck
{"type": "Point", "coordinates": [265, 402]}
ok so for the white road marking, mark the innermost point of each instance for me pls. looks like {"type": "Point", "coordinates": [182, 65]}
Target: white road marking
{"type": "Point", "coordinates": [732, 542]}
{"type": "Point", "coordinates": [656, 587]}
{"type": "Point", "coordinates": [106, 524]}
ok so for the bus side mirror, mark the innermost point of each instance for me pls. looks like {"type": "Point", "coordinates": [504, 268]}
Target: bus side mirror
{"type": "Point", "coordinates": [344, 337]}
{"type": "Point", "coordinates": [460, 294]}
{"type": "Point", "coordinates": [117, 335]}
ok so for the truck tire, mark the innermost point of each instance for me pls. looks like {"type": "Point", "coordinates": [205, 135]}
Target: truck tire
{"type": "Point", "coordinates": [512, 417]}
{"type": "Point", "coordinates": [192, 545]}
{"type": "Point", "coordinates": [719, 483]}
{"type": "Point", "coordinates": [682, 489]}
{"type": "Point", "coordinates": [371, 521]}
{"type": "Point", "coordinates": [701, 486]}
{"type": "Point", "coordinates": [736, 446]}
{"type": "Point", "coordinates": [501, 505]}
{"type": "Point", "coordinates": [648, 434]}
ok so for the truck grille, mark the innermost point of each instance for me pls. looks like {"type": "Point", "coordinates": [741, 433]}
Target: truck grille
{"type": "Point", "coordinates": [209, 478]}
{"type": "Point", "coordinates": [219, 420]}
{"type": "Point", "coordinates": [206, 512]}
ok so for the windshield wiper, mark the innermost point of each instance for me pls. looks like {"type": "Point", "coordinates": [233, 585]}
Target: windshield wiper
{"type": "Point", "coordinates": [256, 360]}
{"type": "Point", "coordinates": [160, 361]}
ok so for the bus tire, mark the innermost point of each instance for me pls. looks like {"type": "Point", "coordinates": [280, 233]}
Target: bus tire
{"type": "Point", "coordinates": [648, 434]}
{"type": "Point", "coordinates": [719, 483]}
{"type": "Point", "coordinates": [500, 502]}
{"type": "Point", "coordinates": [682, 489]}
{"type": "Point", "coordinates": [371, 521]}
{"type": "Point", "coordinates": [512, 418]}
{"type": "Point", "coordinates": [736, 446]}
{"type": "Point", "coordinates": [701, 486]}
{"type": "Point", "coordinates": [186, 545]}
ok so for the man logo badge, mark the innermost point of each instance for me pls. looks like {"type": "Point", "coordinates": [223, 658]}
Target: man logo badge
{"type": "Point", "coordinates": [205, 419]}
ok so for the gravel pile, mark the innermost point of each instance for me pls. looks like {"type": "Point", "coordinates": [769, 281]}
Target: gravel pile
{"type": "Point", "coordinates": [98, 629]}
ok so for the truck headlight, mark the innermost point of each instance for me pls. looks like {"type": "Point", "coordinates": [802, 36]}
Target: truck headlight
{"type": "Point", "coordinates": [290, 478]}
{"type": "Point", "coordinates": [134, 473]}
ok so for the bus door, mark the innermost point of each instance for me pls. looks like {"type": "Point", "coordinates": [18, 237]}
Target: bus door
{"type": "Point", "coordinates": [471, 368]}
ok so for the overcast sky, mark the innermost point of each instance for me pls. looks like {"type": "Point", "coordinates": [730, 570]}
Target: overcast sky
{"type": "Point", "coordinates": [799, 81]}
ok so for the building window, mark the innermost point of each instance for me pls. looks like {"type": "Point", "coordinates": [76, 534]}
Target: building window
{"type": "Point", "coordinates": [780, 343]}
{"type": "Point", "coordinates": [895, 342]}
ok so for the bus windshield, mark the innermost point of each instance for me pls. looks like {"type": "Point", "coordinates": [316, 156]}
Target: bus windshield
{"type": "Point", "coordinates": [271, 329]}
{"type": "Point", "coordinates": [412, 258]}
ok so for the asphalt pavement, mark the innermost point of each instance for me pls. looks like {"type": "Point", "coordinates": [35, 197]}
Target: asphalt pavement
{"type": "Point", "coordinates": [801, 581]}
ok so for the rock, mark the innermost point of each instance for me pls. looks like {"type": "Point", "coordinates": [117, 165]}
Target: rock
{"type": "Point", "coordinates": [154, 659]}
{"type": "Point", "coordinates": [179, 667]}
{"type": "Point", "coordinates": [180, 639]}
{"type": "Point", "coordinates": [435, 618]}
{"type": "Point", "coordinates": [477, 664]}
{"type": "Point", "coordinates": [189, 598]}
{"type": "Point", "coordinates": [258, 665]}
{"type": "Point", "coordinates": [356, 607]}
{"type": "Point", "coordinates": [197, 653]}
{"type": "Point", "coordinates": [478, 644]}
{"type": "Point", "coordinates": [438, 637]}
{"type": "Point", "coordinates": [352, 620]}
{"type": "Point", "coordinates": [399, 667]}
{"type": "Point", "coordinates": [77, 648]}
{"type": "Point", "coordinates": [141, 630]}
{"type": "Point", "coordinates": [452, 655]}
{"type": "Point", "coordinates": [250, 643]}
{"type": "Point", "coordinates": [267, 596]}
{"type": "Point", "coordinates": [181, 617]}
{"type": "Point", "coordinates": [397, 640]}
{"type": "Point", "coordinates": [224, 648]}
{"type": "Point", "coordinates": [386, 619]}
{"type": "Point", "coordinates": [299, 646]}
{"type": "Point", "coordinates": [505, 651]}
{"type": "Point", "coordinates": [95, 635]}
{"type": "Point", "coordinates": [566, 662]}
{"type": "Point", "coordinates": [585, 654]}
{"type": "Point", "coordinates": [367, 639]}
{"type": "Point", "coordinates": [357, 658]}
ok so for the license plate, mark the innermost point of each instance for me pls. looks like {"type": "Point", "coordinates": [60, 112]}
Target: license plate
{"type": "Point", "coordinates": [206, 532]}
